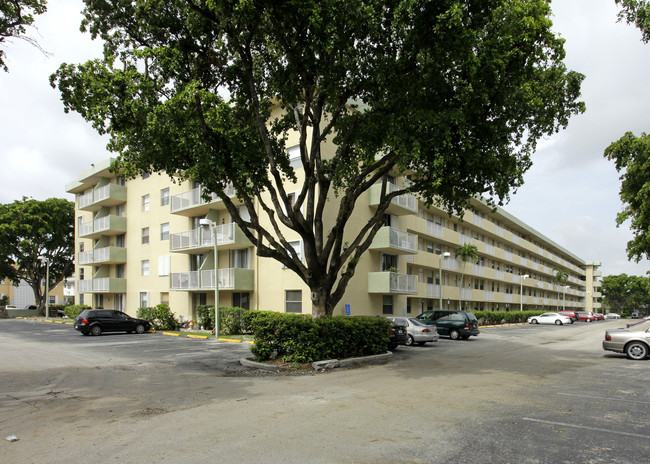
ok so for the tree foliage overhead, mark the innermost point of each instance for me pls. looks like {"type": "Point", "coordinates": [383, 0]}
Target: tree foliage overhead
{"type": "Point", "coordinates": [453, 93]}
{"type": "Point", "coordinates": [636, 12]}
{"type": "Point", "coordinates": [15, 15]}
{"type": "Point", "coordinates": [32, 229]}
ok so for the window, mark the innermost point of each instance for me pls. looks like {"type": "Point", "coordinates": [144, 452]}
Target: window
{"type": "Point", "coordinates": [145, 267]}
{"type": "Point", "coordinates": [387, 304]}
{"type": "Point", "coordinates": [293, 301]}
{"type": "Point", "coordinates": [164, 197]}
{"type": "Point", "coordinates": [145, 202]}
{"type": "Point", "coordinates": [81, 298]}
{"type": "Point", "coordinates": [120, 181]}
{"type": "Point", "coordinates": [388, 262]}
{"type": "Point", "coordinates": [297, 246]}
{"type": "Point", "coordinates": [120, 210]}
{"type": "Point", "coordinates": [120, 240]}
{"type": "Point", "coordinates": [241, 300]}
{"type": "Point", "coordinates": [81, 273]}
{"type": "Point", "coordinates": [294, 157]}
{"type": "Point", "coordinates": [164, 231]}
{"type": "Point", "coordinates": [81, 246]}
{"type": "Point", "coordinates": [145, 235]}
{"type": "Point", "coordinates": [164, 298]}
{"type": "Point", "coordinates": [119, 271]}
{"type": "Point", "coordinates": [239, 259]}
{"type": "Point", "coordinates": [163, 265]}
{"type": "Point", "coordinates": [144, 299]}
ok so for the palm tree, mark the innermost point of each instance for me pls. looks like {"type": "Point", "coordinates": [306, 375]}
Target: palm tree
{"type": "Point", "coordinates": [465, 252]}
{"type": "Point", "coordinates": [560, 278]}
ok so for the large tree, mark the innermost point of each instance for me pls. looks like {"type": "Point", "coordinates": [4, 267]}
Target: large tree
{"type": "Point", "coordinates": [31, 230]}
{"type": "Point", "coordinates": [631, 155]}
{"type": "Point", "coordinates": [15, 15]}
{"type": "Point", "coordinates": [624, 293]}
{"type": "Point", "coordinates": [455, 94]}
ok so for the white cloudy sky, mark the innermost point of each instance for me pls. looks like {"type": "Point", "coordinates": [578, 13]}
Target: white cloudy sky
{"type": "Point", "coordinates": [570, 195]}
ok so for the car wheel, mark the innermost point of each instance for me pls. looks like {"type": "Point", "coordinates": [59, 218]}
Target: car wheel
{"type": "Point", "coordinates": [409, 340]}
{"type": "Point", "coordinates": [96, 330]}
{"type": "Point", "coordinates": [139, 329]}
{"type": "Point", "coordinates": [588, 320]}
{"type": "Point", "coordinates": [534, 321]}
{"type": "Point", "coordinates": [636, 351]}
{"type": "Point", "coordinates": [454, 334]}
{"type": "Point", "coordinates": [558, 322]}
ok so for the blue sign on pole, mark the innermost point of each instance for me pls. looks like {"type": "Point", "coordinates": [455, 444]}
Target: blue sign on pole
{"type": "Point", "coordinates": [347, 309]}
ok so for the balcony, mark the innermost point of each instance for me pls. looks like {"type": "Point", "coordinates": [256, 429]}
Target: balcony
{"type": "Point", "coordinates": [107, 195]}
{"type": "Point", "coordinates": [401, 205]}
{"type": "Point", "coordinates": [392, 282]}
{"type": "Point", "coordinates": [104, 255]}
{"type": "Point", "coordinates": [234, 279]}
{"type": "Point", "coordinates": [395, 241]}
{"type": "Point", "coordinates": [229, 237]}
{"type": "Point", "coordinates": [103, 285]}
{"type": "Point", "coordinates": [192, 203]}
{"type": "Point", "coordinates": [107, 225]}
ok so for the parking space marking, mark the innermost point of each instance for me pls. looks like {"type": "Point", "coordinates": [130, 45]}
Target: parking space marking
{"type": "Point", "coordinates": [604, 398]}
{"type": "Point", "coordinates": [595, 429]}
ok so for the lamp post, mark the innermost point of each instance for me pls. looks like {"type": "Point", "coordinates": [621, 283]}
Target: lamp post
{"type": "Point", "coordinates": [521, 291]}
{"type": "Point", "coordinates": [564, 298]}
{"type": "Point", "coordinates": [46, 260]}
{"type": "Point", "coordinates": [213, 229]}
{"type": "Point", "coordinates": [446, 254]}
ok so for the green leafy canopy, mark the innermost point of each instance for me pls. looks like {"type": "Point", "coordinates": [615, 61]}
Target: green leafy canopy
{"type": "Point", "coordinates": [453, 93]}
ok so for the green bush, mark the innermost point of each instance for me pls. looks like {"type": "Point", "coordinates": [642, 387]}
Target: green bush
{"type": "Point", "coordinates": [230, 319]}
{"type": "Point", "coordinates": [160, 317]}
{"type": "Point", "coordinates": [299, 338]}
{"type": "Point", "coordinates": [73, 311]}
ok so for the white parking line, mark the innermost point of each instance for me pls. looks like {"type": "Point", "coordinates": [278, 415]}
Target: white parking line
{"type": "Point", "coordinates": [596, 429]}
{"type": "Point", "coordinates": [604, 398]}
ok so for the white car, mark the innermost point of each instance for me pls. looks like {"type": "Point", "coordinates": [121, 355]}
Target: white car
{"type": "Point", "coordinates": [612, 316]}
{"type": "Point", "coordinates": [550, 318]}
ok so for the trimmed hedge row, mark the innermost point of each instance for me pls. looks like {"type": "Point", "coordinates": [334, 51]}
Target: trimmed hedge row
{"type": "Point", "coordinates": [300, 338]}
{"type": "Point", "coordinates": [73, 311]}
{"type": "Point", "coordinates": [504, 317]}
{"type": "Point", "coordinates": [160, 317]}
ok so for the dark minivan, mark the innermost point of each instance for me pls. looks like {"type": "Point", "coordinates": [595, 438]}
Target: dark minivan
{"type": "Point", "coordinates": [96, 321]}
{"type": "Point", "coordinates": [455, 324]}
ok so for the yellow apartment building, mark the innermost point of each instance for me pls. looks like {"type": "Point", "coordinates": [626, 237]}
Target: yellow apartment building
{"type": "Point", "coordinates": [141, 242]}
{"type": "Point", "coordinates": [22, 295]}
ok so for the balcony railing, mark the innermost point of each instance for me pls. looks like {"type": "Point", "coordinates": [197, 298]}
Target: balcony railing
{"type": "Point", "coordinates": [229, 236]}
{"type": "Point", "coordinates": [392, 240]}
{"type": "Point", "coordinates": [106, 195]}
{"type": "Point", "coordinates": [400, 205]}
{"type": "Point", "coordinates": [194, 198]}
{"type": "Point", "coordinates": [229, 279]}
{"type": "Point", "coordinates": [392, 282]}
{"type": "Point", "coordinates": [103, 285]}
{"type": "Point", "coordinates": [106, 225]}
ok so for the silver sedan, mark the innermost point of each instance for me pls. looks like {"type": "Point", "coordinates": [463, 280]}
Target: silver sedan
{"type": "Point", "coordinates": [417, 332]}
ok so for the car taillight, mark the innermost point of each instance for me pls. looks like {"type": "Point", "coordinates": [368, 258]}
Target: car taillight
{"type": "Point", "coordinates": [426, 330]}
{"type": "Point", "coordinates": [467, 326]}
{"type": "Point", "coordinates": [84, 321]}
{"type": "Point", "coordinates": [608, 337]}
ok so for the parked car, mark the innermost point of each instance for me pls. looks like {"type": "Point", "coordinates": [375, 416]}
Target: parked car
{"type": "Point", "coordinates": [416, 331]}
{"type": "Point", "coordinates": [571, 314]}
{"type": "Point", "coordinates": [635, 345]}
{"type": "Point", "coordinates": [454, 323]}
{"type": "Point", "coordinates": [612, 316]}
{"type": "Point", "coordinates": [550, 318]}
{"type": "Point", "coordinates": [586, 317]}
{"type": "Point", "coordinates": [96, 321]}
{"type": "Point", "coordinates": [599, 316]}
{"type": "Point", "coordinates": [635, 315]}
{"type": "Point", "coordinates": [398, 335]}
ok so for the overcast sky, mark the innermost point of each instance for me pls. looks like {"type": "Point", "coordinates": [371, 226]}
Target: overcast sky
{"type": "Point", "coordinates": [570, 194]}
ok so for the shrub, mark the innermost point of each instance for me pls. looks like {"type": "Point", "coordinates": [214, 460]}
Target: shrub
{"type": "Point", "coordinates": [160, 317]}
{"type": "Point", "coordinates": [230, 318]}
{"type": "Point", "coordinates": [299, 338]}
{"type": "Point", "coordinates": [504, 317]}
{"type": "Point", "coordinates": [73, 311]}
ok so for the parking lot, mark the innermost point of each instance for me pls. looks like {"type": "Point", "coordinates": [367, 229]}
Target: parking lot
{"type": "Point", "coordinates": [518, 394]}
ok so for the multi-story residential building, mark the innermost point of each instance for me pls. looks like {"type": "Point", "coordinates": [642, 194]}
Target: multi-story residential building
{"type": "Point", "coordinates": [22, 295]}
{"type": "Point", "coordinates": [141, 243]}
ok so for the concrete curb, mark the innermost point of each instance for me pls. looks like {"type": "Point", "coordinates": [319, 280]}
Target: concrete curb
{"type": "Point", "coordinates": [328, 364]}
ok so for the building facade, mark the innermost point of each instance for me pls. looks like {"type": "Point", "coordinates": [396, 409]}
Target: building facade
{"type": "Point", "coordinates": [142, 242]}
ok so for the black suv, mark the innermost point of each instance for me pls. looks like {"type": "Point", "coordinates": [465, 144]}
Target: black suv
{"type": "Point", "coordinates": [456, 324]}
{"type": "Point", "coordinates": [96, 321]}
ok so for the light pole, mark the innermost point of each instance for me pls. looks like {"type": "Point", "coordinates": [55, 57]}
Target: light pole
{"type": "Point", "coordinates": [521, 291]}
{"type": "Point", "coordinates": [446, 254]}
{"type": "Point", "coordinates": [564, 298]}
{"type": "Point", "coordinates": [46, 260]}
{"type": "Point", "coordinates": [213, 229]}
